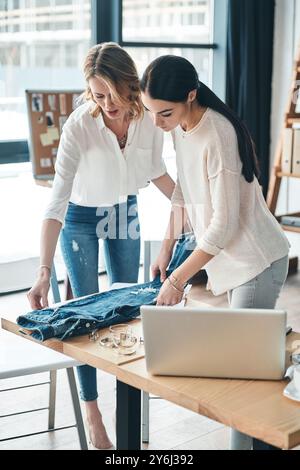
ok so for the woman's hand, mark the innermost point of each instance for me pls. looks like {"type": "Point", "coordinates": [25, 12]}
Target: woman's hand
{"type": "Point", "coordinates": [161, 264]}
{"type": "Point", "coordinates": [168, 295]}
{"type": "Point", "coordinates": [38, 294]}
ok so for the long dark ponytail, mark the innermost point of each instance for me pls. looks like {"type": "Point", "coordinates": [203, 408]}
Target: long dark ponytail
{"type": "Point", "coordinates": [171, 78]}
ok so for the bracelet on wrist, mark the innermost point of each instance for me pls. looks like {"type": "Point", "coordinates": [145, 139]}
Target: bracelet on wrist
{"type": "Point", "coordinates": [174, 287]}
{"type": "Point", "coordinates": [176, 281]}
{"type": "Point", "coordinates": [44, 266]}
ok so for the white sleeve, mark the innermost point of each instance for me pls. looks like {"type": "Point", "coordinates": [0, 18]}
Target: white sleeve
{"type": "Point", "coordinates": [66, 165]}
{"type": "Point", "coordinates": [177, 198]}
{"type": "Point", "coordinates": [225, 198]}
{"type": "Point", "coordinates": [158, 165]}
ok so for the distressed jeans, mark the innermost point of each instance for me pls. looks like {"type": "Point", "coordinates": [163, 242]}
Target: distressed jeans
{"type": "Point", "coordinates": [79, 239]}
{"type": "Point", "coordinates": [261, 292]}
{"type": "Point", "coordinates": [95, 311]}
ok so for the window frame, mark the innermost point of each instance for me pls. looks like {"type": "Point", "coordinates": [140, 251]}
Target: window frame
{"type": "Point", "coordinates": [106, 25]}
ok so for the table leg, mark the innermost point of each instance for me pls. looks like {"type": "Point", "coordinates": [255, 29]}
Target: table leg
{"type": "Point", "coordinates": [128, 417]}
{"type": "Point", "coordinates": [260, 445]}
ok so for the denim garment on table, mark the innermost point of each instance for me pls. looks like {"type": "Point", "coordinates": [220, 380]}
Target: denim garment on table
{"type": "Point", "coordinates": [82, 316]}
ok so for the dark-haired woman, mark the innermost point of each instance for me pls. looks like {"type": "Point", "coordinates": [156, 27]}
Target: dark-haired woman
{"type": "Point", "coordinates": [239, 242]}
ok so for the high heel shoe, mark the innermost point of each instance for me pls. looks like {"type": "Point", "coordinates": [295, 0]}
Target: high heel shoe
{"type": "Point", "coordinates": [91, 444]}
{"type": "Point", "coordinates": [92, 447]}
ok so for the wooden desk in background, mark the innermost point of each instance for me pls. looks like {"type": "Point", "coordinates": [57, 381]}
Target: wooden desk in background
{"type": "Point", "coordinates": [256, 408]}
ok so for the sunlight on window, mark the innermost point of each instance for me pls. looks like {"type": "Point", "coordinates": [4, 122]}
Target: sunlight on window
{"type": "Point", "coordinates": [167, 21]}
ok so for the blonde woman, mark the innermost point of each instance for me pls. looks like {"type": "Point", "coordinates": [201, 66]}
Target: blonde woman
{"type": "Point", "coordinates": [108, 150]}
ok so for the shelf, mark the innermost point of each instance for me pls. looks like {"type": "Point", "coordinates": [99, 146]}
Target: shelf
{"type": "Point", "coordinates": [46, 183]}
{"type": "Point", "coordinates": [287, 175]}
{"type": "Point", "coordinates": [290, 228]}
{"type": "Point", "coordinates": [293, 120]}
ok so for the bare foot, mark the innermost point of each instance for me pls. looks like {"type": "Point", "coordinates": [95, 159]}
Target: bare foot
{"type": "Point", "coordinates": [97, 431]}
{"type": "Point", "coordinates": [98, 434]}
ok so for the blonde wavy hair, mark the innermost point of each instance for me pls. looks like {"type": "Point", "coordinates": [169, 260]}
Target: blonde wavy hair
{"type": "Point", "coordinates": [115, 66]}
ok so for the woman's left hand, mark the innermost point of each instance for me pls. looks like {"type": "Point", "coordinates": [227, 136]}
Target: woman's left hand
{"type": "Point", "coordinates": [168, 295]}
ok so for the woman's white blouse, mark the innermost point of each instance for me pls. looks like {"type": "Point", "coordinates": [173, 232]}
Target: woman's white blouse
{"type": "Point", "coordinates": [91, 170]}
{"type": "Point", "coordinates": [229, 216]}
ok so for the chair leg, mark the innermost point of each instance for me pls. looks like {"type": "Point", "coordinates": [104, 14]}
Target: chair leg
{"type": "Point", "coordinates": [147, 260]}
{"type": "Point", "coordinates": [77, 409]}
{"type": "Point", "coordinates": [52, 400]}
{"type": "Point", "coordinates": [54, 285]}
{"type": "Point", "coordinates": [145, 422]}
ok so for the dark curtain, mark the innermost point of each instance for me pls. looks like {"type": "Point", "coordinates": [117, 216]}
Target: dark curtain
{"type": "Point", "coordinates": [249, 71]}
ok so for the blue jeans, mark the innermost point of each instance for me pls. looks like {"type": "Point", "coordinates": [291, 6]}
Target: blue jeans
{"type": "Point", "coordinates": [118, 226]}
{"type": "Point", "coordinates": [92, 312]}
{"type": "Point", "coordinates": [261, 292]}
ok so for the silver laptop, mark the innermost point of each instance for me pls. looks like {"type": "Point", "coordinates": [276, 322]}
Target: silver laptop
{"type": "Point", "coordinates": [215, 342]}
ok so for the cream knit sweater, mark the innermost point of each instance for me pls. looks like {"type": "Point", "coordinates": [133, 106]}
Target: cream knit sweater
{"type": "Point", "coordinates": [229, 216]}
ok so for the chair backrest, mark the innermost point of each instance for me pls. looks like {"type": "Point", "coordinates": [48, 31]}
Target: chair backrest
{"type": "Point", "coordinates": [54, 285]}
{"type": "Point", "coordinates": [151, 250]}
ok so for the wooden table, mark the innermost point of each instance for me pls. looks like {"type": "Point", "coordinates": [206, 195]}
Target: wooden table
{"type": "Point", "coordinates": [256, 408]}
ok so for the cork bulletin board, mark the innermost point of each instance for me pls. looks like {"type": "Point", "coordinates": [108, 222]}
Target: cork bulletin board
{"type": "Point", "coordinates": [47, 113]}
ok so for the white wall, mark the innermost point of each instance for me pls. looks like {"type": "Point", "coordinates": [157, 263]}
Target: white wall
{"type": "Point", "coordinates": [286, 41]}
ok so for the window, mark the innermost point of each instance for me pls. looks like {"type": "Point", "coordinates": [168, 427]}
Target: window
{"type": "Point", "coordinates": [157, 14]}
{"type": "Point", "coordinates": [155, 27]}
{"type": "Point", "coordinates": [199, 57]}
{"type": "Point", "coordinates": [44, 42]}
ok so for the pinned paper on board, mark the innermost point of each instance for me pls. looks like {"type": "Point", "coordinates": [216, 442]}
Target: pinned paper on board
{"type": "Point", "coordinates": [63, 103]}
{"type": "Point", "coordinates": [47, 113]}
{"type": "Point", "coordinates": [50, 119]}
{"type": "Point", "coordinates": [46, 139]}
{"type": "Point", "coordinates": [37, 102]}
{"type": "Point", "coordinates": [52, 102]}
{"type": "Point", "coordinates": [53, 133]}
{"type": "Point", "coordinates": [46, 162]}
